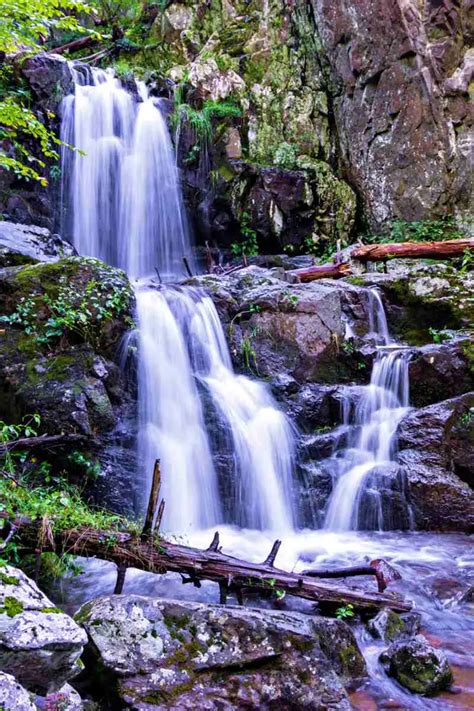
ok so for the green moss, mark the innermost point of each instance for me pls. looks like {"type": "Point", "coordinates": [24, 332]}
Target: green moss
{"type": "Point", "coordinates": [8, 579]}
{"type": "Point", "coordinates": [52, 610]}
{"type": "Point", "coordinates": [11, 607]}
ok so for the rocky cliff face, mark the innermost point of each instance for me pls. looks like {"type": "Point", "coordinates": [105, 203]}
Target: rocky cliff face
{"type": "Point", "coordinates": [399, 78]}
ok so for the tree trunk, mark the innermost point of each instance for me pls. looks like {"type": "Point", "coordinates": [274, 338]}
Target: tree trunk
{"type": "Point", "coordinates": [159, 556]}
{"type": "Point", "coordinates": [405, 250]}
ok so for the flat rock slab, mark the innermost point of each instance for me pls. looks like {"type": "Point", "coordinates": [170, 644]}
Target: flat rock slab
{"type": "Point", "coordinates": [26, 244]}
{"type": "Point", "coordinates": [168, 654]}
{"type": "Point", "coordinates": [39, 644]}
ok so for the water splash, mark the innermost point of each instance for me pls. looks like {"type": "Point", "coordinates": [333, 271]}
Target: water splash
{"type": "Point", "coordinates": [372, 437]}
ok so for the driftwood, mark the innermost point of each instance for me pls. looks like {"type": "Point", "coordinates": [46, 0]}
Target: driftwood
{"type": "Point", "coordinates": [127, 550]}
{"type": "Point", "coordinates": [326, 271]}
{"type": "Point", "coordinates": [429, 250]}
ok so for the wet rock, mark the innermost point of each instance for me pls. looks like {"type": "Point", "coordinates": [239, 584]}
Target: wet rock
{"type": "Point", "coordinates": [437, 455]}
{"type": "Point", "coordinates": [13, 697]}
{"type": "Point", "coordinates": [39, 644]}
{"type": "Point", "coordinates": [417, 666]}
{"type": "Point", "coordinates": [25, 244]}
{"type": "Point", "coordinates": [169, 654]}
{"type": "Point", "coordinates": [389, 626]}
{"type": "Point", "coordinates": [441, 371]}
{"type": "Point", "coordinates": [65, 699]}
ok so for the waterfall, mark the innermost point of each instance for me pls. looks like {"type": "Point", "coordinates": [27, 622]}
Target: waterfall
{"type": "Point", "coordinates": [372, 439]}
{"type": "Point", "coordinates": [122, 204]}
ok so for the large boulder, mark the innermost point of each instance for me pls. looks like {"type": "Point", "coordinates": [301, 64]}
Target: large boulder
{"type": "Point", "coordinates": [298, 330]}
{"type": "Point", "coordinates": [435, 449]}
{"type": "Point", "coordinates": [167, 654]}
{"type": "Point", "coordinates": [61, 333]}
{"type": "Point", "coordinates": [39, 644]}
{"type": "Point", "coordinates": [418, 666]}
{"type": "Point", "coordinates": [50, 78]}
{"type": "Point", "coordinates": [25, 244]}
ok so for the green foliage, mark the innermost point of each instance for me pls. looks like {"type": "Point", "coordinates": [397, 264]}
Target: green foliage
{"type": "Point", "coordinates": [10, 432]}
{"type": "Point", "coordinates": [467, 262]}
{"type": "Point", "coordinates": [440, 335]}
{"type": "Point", "coordinates": [421, 231]}
{"type": "Point", "coordinates": [88, 466]}
{"type": "Point", "coordinates": [201, 120]}
{"type": "Point", "coordinates": [346, 612]}
{"type": "Point", "coordinates": [83, 312]}
{"type": "Point", "coordinates": [285, 156]}
{"type": "Point", "coordinates": [467, 418]}
{"type": "Point", "coordinates": [248, 352]}
{"type": "Point", "coordinates": [22, 24]}
{"type": "Point", "coordinates": [248, 246]}
{"type": "Point", "coordinates": [61, 503]}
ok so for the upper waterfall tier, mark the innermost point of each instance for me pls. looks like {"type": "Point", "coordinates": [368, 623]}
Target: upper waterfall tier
{"type": "Point", "coordinates": [121, 195]}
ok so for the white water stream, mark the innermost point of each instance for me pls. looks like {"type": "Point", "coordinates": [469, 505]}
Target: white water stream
{"type": "Point", "coordinates": [124, 206]}
{"type": "Point", "coordinates": [372, 437]}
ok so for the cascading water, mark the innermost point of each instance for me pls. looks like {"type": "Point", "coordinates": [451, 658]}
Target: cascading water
{"type": "Point", "coordinates": [124, 206]}
{"type": "Point", "coordinates": [371, 442]}
{"type": "Point", "coordinates": [123, 202]}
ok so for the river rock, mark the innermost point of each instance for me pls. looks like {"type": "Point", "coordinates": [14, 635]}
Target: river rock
{"type": "Point", "coordinates": [25, 244]}
{"type": "Point", "coordinates": [169, 654]}
{"type": "Point", "coordinates": [418, 666]}
{"type": "Point", "coordinates": [389, 626]}
{"type": "Point", "coordinates": [39, 644]}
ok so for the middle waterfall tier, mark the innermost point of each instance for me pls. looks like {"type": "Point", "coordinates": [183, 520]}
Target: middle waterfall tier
{"type": "Point", "coordinates": [186, 381]}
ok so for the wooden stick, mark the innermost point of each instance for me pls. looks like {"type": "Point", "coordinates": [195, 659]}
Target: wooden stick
{"type": "Point", "coordinates": [447, 249]}
{"type": "Point", "coordinates": [152, 502]}
{"type": "Point", "coordinates": [159, 516]}
{"type": "Point", "coordinates": [272, 555]}
{"type": "Point", "coordinates": [121, 573]}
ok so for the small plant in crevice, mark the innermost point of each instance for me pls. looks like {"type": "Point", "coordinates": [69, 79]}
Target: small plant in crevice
{"type": "Point", "coordinates": [290, 300]}
{"type": "Point", "coordinates": [248, 352]}
{"type": "Point", "coordinates": [440, 335]}
{"type": "Point", "coordinates": [248, 245]}
{"type": "Point", "coordinates": [346, 612]}
{"type": "Point", "coordinates": [466, 419]}
{"type": "Point", "coordinates": [89, 466]}
{"type": "Point", "coordinates": [467, 262]}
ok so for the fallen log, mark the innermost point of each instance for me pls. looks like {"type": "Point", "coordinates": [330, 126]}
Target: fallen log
{"type": "Point", "coordinates": [127, 550]}
{"type": "Point", "coordinates": [405, 250]}
{"type": "Point", "coordinates": [384, 573]}
{"type": "Point", "coordinates": [326, 271]}
{"type": "Point", "coordinates": [75, 45]}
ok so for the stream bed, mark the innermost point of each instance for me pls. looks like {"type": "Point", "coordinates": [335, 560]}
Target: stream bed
{"type": "Point", "coordinates": [437, 577]}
